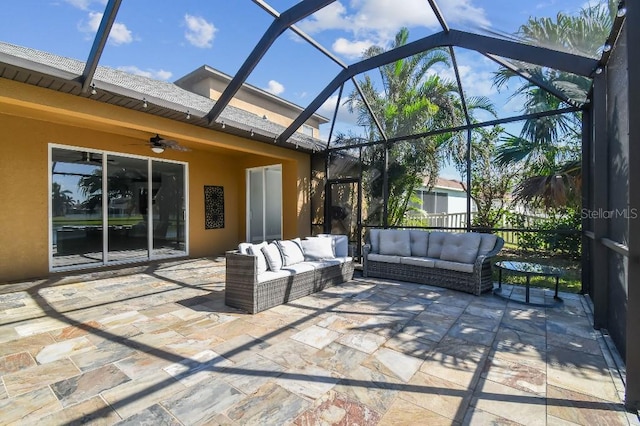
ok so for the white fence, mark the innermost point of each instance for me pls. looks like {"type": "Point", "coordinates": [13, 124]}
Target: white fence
{"type": "Point", "coordinates": [459, 220]}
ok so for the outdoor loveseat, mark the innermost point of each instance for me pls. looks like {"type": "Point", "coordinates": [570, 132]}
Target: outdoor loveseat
{"type": "Point", "coordinates": [260, 276]}
{"type": "Point", "coordinates": [460, 261]}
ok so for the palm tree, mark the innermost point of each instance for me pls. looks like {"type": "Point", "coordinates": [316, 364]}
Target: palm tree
{"type": "Point", "coordinates": [61, 199]}
{"type": "Point", "coordinates": [413, 99]}
{"type": "Point", "coordinates": [548, 148]}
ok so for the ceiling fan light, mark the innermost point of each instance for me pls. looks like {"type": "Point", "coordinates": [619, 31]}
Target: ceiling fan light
{"type": "Point", "coordinates": [157, 149]}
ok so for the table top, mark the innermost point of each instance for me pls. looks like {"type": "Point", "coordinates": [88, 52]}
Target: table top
{"type": "Point", "coordinates": [529, 268]}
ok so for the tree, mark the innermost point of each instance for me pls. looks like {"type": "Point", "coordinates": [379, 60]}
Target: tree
{"type": "Point", "coordinates": [412, 100]}
{"type": "Point", "coordinates": [61, 199]}
{"type": "Point", "coordinates": [491, 181]}
{"type": "Point", "coordinates": [548, 148]}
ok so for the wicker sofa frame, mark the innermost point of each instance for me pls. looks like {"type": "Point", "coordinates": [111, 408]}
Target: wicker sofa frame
{"type": "Point", "coordinates": [476, 282]}
{"type": "Point", "coordinates": [243, 291]}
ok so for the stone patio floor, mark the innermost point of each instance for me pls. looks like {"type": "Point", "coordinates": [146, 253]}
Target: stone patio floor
{"type": "Point", "coordinates": [157, 345]}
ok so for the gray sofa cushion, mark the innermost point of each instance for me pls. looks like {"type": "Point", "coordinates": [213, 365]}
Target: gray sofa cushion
{"type": "Point", "coordinates": [395, 242]}
{"type": "Point", "coordinates": [418, 261]}
{"type": "Point", "coordinates": [461, 247]}
{"type": "Point", "coordinates": [436, 240]}
{"type": "Point", "coordinates": [374, 257]}
{"type": "Point", "coordinates": [419, 242]}
{"type": "Point", "coordinates": [454, 266]}
{"type": "Point", "coordinates": [487, 243]}
{"type": "Point", "coordinates": [374, 240]}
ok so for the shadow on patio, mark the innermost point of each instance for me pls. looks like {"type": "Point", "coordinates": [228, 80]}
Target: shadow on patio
{"type": "Point", "coordinates": [157, 344]}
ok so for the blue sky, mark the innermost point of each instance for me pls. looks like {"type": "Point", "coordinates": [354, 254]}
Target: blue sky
{"type": "Point", "coordinates": [166, 39]}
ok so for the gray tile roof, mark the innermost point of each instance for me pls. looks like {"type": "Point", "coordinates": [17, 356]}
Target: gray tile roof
{"type": "Point", "coordinates": [161, 93]}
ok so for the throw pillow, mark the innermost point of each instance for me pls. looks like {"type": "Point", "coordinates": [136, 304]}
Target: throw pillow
{"type": "Point", "coordinates": [317, 248]}
{"type": "Point", "coordinates": [291, 251]}
{"type": "Point", "coordinates": [395, 242]}
{"type": "Point", "coordinates": [272, 256]}
{"type": "Point", "coordinates": [256, 250]}
{"type": "Point", "coordinates": [461, 247]}
{"type": "Point", "coordinates": [340, 244]}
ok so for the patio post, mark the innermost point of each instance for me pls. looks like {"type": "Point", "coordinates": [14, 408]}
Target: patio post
{"type": "Point", "coordinates": [632, 24]}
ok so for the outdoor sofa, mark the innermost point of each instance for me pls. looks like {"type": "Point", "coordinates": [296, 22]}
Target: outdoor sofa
{"type": "Point", "coordinates": [261, 276]}
{"type": "Point", "coordinates": [459, 261]}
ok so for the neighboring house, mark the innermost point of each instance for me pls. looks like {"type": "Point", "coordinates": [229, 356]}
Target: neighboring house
{"type": "Point", "coordinates": [96, 144]}
{"type": "Point", "coordinates": [446, 196]}
{"type": "Point", "coordinates": [209, 82]}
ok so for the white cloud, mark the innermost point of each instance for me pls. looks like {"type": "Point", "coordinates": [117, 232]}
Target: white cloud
{"type": "Point", "coordinates": [475, 81]}
{"type": "Point", "coordinates": [377, 21]}
{"type": "Point", "coordinates": [351, 49]}
{"type": "Point", "coordinates": [344, 116]}
{"type": "Point", "coordinates": [119, 34]}
{"type": "Point", "coordinates": [151, 73]}
{"type": "Point", "coordinates": [274, 87]}
{"type": "Point", "coordinates": [84, 4]}
{"type": "Point", "coordinates": [200, 33]}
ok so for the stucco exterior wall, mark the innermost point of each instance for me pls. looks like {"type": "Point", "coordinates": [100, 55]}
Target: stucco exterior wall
{"type": "Point", "coordinates": [31, 118]}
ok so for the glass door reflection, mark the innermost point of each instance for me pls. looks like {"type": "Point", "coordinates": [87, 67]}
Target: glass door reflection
{"type": "Point", "coordinates": [168, 209]}
{"type": "Point", "coordinates": [76, 207]}
{"type": "Point", "coordinates": [127, 207]}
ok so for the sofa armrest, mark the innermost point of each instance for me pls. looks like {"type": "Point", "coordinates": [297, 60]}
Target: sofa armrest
{"type": "Point", "coordinates": [241, 266]}
{"type": "Point", "coordinates": [366, 249]}
{"type": "Point", "coordinates": [487, 257]}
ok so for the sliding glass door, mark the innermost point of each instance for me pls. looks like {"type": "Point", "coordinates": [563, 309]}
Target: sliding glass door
{"type": "Point", "coordinates": [88, 229]}
{"type": "Point", "coordinates": [264, 204]}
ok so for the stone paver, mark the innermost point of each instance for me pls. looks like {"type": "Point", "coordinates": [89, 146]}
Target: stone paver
{"type": "Point", "coordinates": [157, 345]}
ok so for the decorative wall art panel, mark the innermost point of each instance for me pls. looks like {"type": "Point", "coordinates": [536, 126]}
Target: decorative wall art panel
{"type": "Point", "coordinates": [213, 207]}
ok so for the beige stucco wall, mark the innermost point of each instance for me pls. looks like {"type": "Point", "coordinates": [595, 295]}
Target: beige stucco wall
{"type": "Point", "coordinates": [31, 118]}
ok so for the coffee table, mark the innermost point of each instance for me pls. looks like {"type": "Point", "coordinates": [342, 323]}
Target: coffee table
{"type": "Point", "coordinates": [528, 269]}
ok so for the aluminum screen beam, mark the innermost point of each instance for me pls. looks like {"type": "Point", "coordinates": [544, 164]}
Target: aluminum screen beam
{"type": "Point", "coordinates": [439, 17]}
{"type": "Point", "coordinates": [278, 26]}
{"type": "Point", "coordinates": [306, 37]}
{"type": "Point", "coordinates": [575, 64]}
{"type": "Point", "coordinates": [108, 18]}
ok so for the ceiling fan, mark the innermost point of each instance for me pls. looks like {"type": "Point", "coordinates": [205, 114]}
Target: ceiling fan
{"type": "Point", "coordinates": [159, 144]}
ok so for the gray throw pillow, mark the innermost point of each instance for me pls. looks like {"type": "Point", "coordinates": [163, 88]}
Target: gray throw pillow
{"type": "Point", "coordinates": [317, 248]}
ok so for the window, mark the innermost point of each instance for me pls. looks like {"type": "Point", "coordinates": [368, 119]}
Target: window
{"type": "Point", "coordinates": [435, 202]}
{"type": "Point", "coordinates": [307, 130]}
{"type": "Point", "coordinates": [112, 208]}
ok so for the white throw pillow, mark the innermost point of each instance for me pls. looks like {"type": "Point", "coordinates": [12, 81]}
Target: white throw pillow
{"type": "Point", "coordinates": [317, 248]}
{"type": "Point", "coordinates": [273, 256]}
{"type": "Point", "coordinates": [291, 251]}
{"type": "Point", "coordinates": [256, 250]}
{"type": "Point", "coordinates": [340, 244]}
{"type": "Point", "coordinates": [461, 247]}
{"type": "Point", "coordinates": [395, 242]}
{"type": "Point", "coordinates": [243, 247]}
